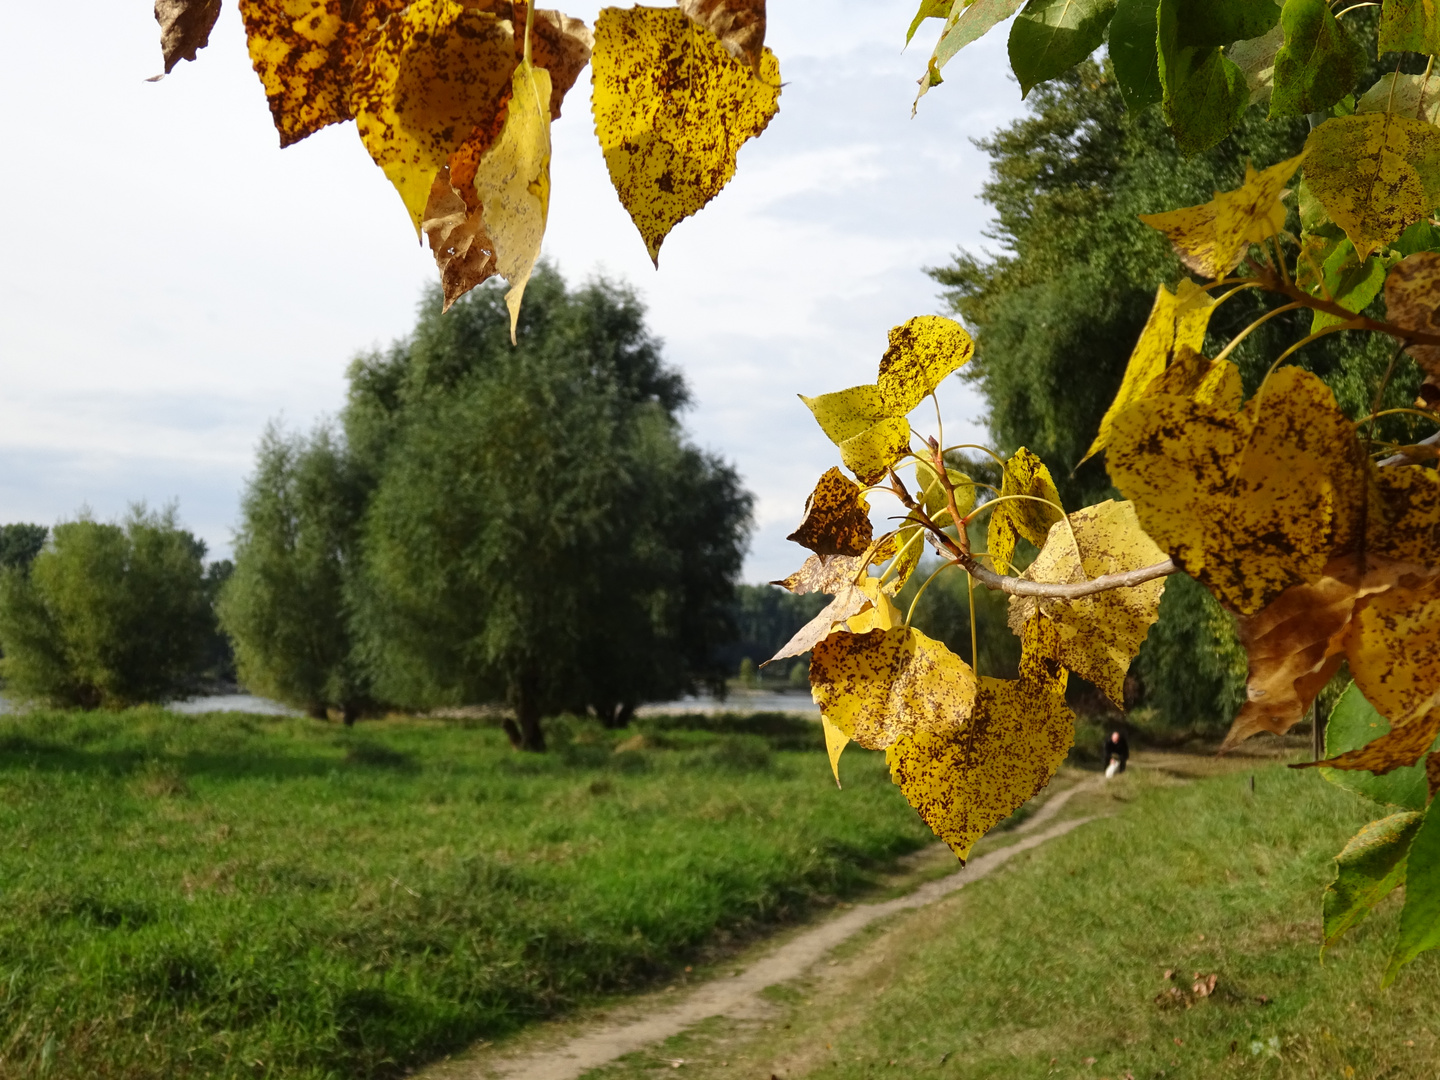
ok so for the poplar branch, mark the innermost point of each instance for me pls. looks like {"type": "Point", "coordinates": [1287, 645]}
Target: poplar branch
{"type": "Point", "coordinates": [1054, 591]}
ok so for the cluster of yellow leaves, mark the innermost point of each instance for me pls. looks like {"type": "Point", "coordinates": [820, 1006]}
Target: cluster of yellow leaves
{"type": "Point", "coordinates": [454, 98]}
{"type": "Point", "coordinates": [965, 750]}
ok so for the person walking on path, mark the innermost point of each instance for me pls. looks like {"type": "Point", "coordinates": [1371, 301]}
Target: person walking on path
{"type": "Point", "coordinates": [1117, 753]}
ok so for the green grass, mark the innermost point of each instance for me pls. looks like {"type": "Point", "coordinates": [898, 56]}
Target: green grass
{"type": "Point", "coordinates": [1052, 967]}
{"type": "Point", "coordinates": [230, 896]}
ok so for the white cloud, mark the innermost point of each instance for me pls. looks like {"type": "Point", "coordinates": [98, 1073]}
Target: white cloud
{"type": "Point", "coordinates": [172, 280]}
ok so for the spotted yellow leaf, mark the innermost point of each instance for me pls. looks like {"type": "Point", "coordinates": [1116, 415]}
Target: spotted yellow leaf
{"type": "Point", "coordinates": [835, 743]}
{"type": "Point", "coordinates": [1177, 319]}
{"type": "Point", "coordinates": [880, 686]}
{"type": "Point", "coordinates": [1211, 239]}
{"type": "Point", "coordinates": [1029, 516]}
{"type": "Point", "coordinates": [432, 74]}
{"type": "Point", "coordinates": [1194, 375]}
{"type": "Point", "coordinates": [823, 573]}
{"type": "Point", "coordinates": [964, 780]}
{"type": "Point", "coordinates": [922, 352]}
{"type": "Point", "coordinates": [1374, 173]}
{"type": "Point", "coordinates": [870, 438]}
{"type": "Point", "coordinates": [1098, 635]}
{"type": "Point", "coordinates": [837, 517]}
{"type": "Point", "coordinates": [672, 108]}
{"type": "Point", "coordinates": [1412, 300]}
{"type": "Point", "coordinates": [513, 183]}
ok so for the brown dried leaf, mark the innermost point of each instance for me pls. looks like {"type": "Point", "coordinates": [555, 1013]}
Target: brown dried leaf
{"type": "Point", "coordinates": [823, 574]}
{"type": "Point", "coordinates": [739, 24]}
{"type": "Point", "coordinates": [848, 601]}
{"type": "Point", "coordinates": [463, 250]}
{"type": "Point", "coordinates": [185, 27]}
{"type": "Point", "coordinates": [837, 517]}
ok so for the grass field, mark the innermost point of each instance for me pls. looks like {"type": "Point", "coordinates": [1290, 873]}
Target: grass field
{"type": "Point", "coordinates": [1057, 966]}
{"type": "Point", "coordinates": [229, 896]}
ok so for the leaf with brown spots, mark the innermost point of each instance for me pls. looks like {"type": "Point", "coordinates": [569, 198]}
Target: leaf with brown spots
{"type": "Point", "coordinates": [883, 685]}
{"type": "Point", "coordinates": [1034, 508]}
{"type": "Point", "coordinates": [848, 601]}
{"type": "Point", "coordinates": [739, 24]}
{"type": "Point", "coordinates": [837, 520]}
{"type": "Point", "coordinates": [672, 108]}
{"type": "Point", "coordinates": [964, 780]}
{"type": "Point", "coordinates": [1412, 300]}
{"type": "Point", "coordinates": [463, 250]}
{"type": "Point", "coordinates": [1211, 239]}
{"type": "Point", "coordinates": [857, 420]}
{"type": "Point", "coordinates": [1098, 635]}
{"type": "Point", "coordinates": [1374, 173]}
{"type": "Point", "coordinates": [1196, 376]}
{"type": "Point", "coordinates": [1177, 321]}
{"type": "Point", "coordinates": [185, 27]}
{"type": "Point", "coordinates": [923, 351]}
{"type": "Point", "coordinates": [823, 574]}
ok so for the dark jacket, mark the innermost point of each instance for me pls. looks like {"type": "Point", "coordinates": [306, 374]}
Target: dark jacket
{"type": "Point", "coordinates": [1119, 750]}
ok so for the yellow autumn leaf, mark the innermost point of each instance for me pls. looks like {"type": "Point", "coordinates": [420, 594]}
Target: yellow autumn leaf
{"type": "Point", "coordinates": [922, 352]}
{"type": "Point", "coordinates": [1405, 525]}
{"type": "Point", "coordinates": [965, 780]}
{"type": "Point", "coordinates": [881, 614]}
{"type": "Point", "coordinates": [1412, 300]}
{"type": "Point", "coordinates": [1250, 503]}
{"type": "Point", "coordinates": [1098, 635]}
{"type": "Point", "coordinates": [513, 183]}
{"type": "Point", "coordinates": [1196, 376]}
{"type": "Point", "coordinates": [856, 420]}
{"type": "Point", "coordinates": [1177, 319]}
{"type": "Point", "coordinates": [1211, 239]}
{"type": "Point", "coordinates": [304, 52]}
{"type": "Point", "coordinates": [835, 743]}
{"type": "Point", "coordinates": [1393, 645]}
{"type": "Point", "coordinates": [739, 24]}
{"type": "Point", "coordinates": [823, 573]}
{"type": "Point", "coordinates": [884, 684]}
{"type": "Point", "coordinates": [672, 108]}
{"type": "Point", "coordinates": [837, 517]}
{"type": "Point", "coordinates": [909, 547]}
{"type": "Point", "coordinates": [1030, 516]}
{"type": "Point", "coordinates": [1374, 173]}
{"type": "Point", "coordinates": [431, 75]}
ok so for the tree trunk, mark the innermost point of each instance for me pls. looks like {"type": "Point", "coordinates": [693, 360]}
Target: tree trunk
{"type": "Point", "coordinates": [317, 711]}
{"type": "Point", "coordinates": [350, 712]}
{"type": "Point", "coordinates": [524, 731]}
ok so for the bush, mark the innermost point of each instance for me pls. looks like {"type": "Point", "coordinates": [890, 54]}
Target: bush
{"type": "Point", "coordinates": [108, 614]}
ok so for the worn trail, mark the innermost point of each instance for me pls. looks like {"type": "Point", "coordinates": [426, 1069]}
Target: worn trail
{"type": "Point", "coordinates": [739, 997]}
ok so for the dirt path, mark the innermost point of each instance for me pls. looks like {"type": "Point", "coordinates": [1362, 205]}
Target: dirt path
{"type": "Point", "coordinates": [740, 996]}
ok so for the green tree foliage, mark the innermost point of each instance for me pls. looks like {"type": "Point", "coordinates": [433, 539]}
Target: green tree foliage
{"type": "Point", "coordinates": [537, 529]}
{"type": "Point", "coordinates": [1068, 291]}
{"type": "Point", "coordinates": [109, 614]}
{"type": "Point", "coordinates": [284, 604]}
{"type": "Point", "coordinates": [19, 544]}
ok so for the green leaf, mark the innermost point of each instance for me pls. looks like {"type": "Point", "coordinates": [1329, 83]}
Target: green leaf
{"type": "Point", "coordinates": [1410, 26]}
{"type": "Point", "coordinates": [1422, 236]}
{"type": "Point", "coordinates": [1352, 283]}
{"type": "Point", "coordinates": [1133, 52]}
{"type": "Point", "coordinates": [965, 24]}
{"type": "Point", "coordinates": [1049, 37]}
{"type": "Point", "coordinates": [1366, 871]}
{"type": "Point", "coordinates": [1354, 723]}
{"type": "Point", "coordinates": [1318, 64]}
{"type": "Point", "coordinates": [929, 9]}
{"type": "Point", "coordinates": [1204, 94]}
{"type": "Point", "coordinates": [1420, 917]}
{"type": "Point", "coordinates": [1221, 22]}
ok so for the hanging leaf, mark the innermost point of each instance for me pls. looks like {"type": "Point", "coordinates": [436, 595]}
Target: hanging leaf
{"type": "Point", "coordinates": [923, 351]}
{"type": "Point", "coordinates": [1409, 26]}
{"type": "Point", "coordinates": [1374, 173]}
{"type": "Point", "coordinates": [185, 27]}
{"type": "Point", "coordinates": [1420, 917]}
{"type": "Point", "coordinates": [1049, 37]}
{"type": "Point", "coordinates": [929, 9]}
{"type": "Point", "coordinates": [1203, 94]}
{"type": "Point", "coordinates": [1344, 277]}
{"type": "Point", "coordinates": [1369, 868]}
{"type": "Point", "coordinates": [1098, 635]}
{"type": "Point", "coordinates": [739, 24]}
{"type": "Point", "coordinates": [432, 75]}
{"type": "Point", "coordinates": [1319, 62]}
{"type": "Point", "coordinates": [1353, 724]}
{"type": "Point", "coordinates": [463, 250]}
{"type": "Point", "coordinates": [1406, 95]}
{"type": "Point", "coordinates": [849, 601]}
{"type": "Point", "coordinates": [1256, 60]}
{"type": "Point", "coordinates": [1133, 52]}
{"type": "Point", "coordinates": [967, 23]}
{"type": "Point", "coordinates": [1412, 300]}
{"type": "Point", "coordinates": [883, 685]}
{"type": "Point", "coordinates": [823, 574]}
{"type": "Point", "coordinates": [837, 517]}
{"type": "Point", "coordinates": [672, 109]}
{"type": "Point", "coordinates": [835, 743]}
{"type": "Point", "coordinates": [1177, 320]}
{"type": "Point", "coordinates": [1030, 516]}
{"type": "Point", "coordinates": [1211, 239]}
{"type": "Point", "coordinates": [1220, 22]}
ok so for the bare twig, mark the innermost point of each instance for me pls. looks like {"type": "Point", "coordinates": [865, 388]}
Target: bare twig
{"type": "Point", "coordinates": [1018, 587]}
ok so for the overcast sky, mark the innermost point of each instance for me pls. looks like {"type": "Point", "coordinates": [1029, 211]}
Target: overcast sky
{"type": "Point", "coordinates": [171, 280]}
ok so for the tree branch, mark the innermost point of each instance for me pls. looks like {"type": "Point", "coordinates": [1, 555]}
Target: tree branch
{"type": "Point", "coordinates": [1403, 458]}
{"type": "Point", "coordinates": [1054, 591]}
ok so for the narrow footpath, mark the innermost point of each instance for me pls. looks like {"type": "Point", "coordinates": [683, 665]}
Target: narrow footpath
{"type": "Point", "coordinates": [741, 996]}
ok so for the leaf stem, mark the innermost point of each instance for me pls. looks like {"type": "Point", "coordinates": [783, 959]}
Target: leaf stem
{"type": "Point", "coordinates": [911, 613]}
{"type": "Point", "coordinates": [1243, 334]}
